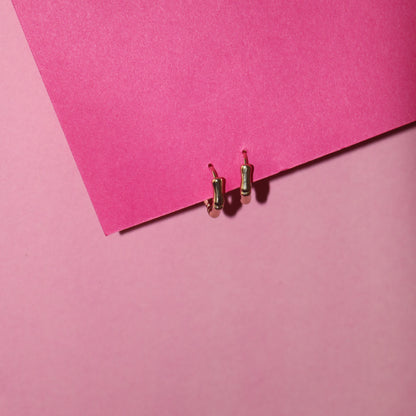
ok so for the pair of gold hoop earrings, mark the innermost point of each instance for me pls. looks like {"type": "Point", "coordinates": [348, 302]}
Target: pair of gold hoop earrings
{"type": "Point", "coordinates": [216, 204]}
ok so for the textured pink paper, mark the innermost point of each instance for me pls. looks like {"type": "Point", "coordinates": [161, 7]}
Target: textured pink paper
{"type": "Point", "coordinates": [149, 92]}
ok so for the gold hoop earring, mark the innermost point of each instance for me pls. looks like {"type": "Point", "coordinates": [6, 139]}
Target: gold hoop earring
{"type": "Point", "coordinates": [246, 180]}
{"type": "Point", "coordinates": [216, 204]}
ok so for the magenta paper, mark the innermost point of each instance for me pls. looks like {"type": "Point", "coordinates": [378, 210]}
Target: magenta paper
{"type": "Point", "coordinates": [149, 92]}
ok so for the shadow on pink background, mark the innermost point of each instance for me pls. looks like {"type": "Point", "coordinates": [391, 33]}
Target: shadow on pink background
{"type": "Point", "coordinates": [302, 305]}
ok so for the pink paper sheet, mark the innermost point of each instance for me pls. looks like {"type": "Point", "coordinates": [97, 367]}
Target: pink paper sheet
{"type": "Point", "coordinates": [149, 92]}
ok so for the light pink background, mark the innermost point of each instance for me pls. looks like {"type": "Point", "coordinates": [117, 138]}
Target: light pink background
{"type": "Point", "coordinates": [303, 305]}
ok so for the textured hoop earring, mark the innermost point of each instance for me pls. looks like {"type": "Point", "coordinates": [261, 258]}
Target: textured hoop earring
{"type": "Point", "coordinates": [216, 204]}
{"type": "Point", "coordinates": [246, 180]}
